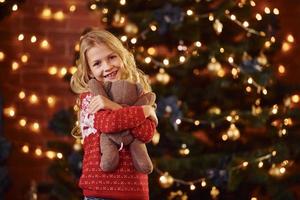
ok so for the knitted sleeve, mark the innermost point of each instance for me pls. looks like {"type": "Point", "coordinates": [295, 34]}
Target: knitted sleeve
{"type": "Point", "coordinates": [109, 121]}
{"type": "Point", "coordinates": [145, 131]}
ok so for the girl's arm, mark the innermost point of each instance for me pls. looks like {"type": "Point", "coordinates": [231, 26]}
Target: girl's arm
{"type": "Point", "coordinates": [145, 131]}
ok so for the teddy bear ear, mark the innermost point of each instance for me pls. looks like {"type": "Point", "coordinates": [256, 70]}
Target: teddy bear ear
{"type": "Point", "coordinates": [107, 85]}
{"type": "Point", "coordinates": [139, 89]}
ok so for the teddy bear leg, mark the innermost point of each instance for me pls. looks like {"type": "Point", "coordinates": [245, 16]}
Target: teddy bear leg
{"type": "Point", "coordinates": [140, 157]}
{"type": "Point", "coordinates": [110, 154]}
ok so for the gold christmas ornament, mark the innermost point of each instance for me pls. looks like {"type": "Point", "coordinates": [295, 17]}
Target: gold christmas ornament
{"type": "Point", "coordinates": [163, 77]}
{"type": "Point", "coordinates": [131, 29]}
{"type": "Point", "coordinates": [233, 133]}
{"type": "Point", "coordinates": [214, 193]}
{"type": "Point", "coordinates": [214, 110]}
{"type": "Point", "coordinates": [218, 26]}
{"type": "Point", "coordinates": [166, 180]}
{"type": "Point", "coordinates": [262, 59]}
{"type": "Point", "coordinates": [214, 65]}
{"type": "Point", "coordinates": [119, 19]}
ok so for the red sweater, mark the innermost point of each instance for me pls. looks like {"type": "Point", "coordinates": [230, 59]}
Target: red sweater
{"type": "Point", "coordinates": [125, 182]}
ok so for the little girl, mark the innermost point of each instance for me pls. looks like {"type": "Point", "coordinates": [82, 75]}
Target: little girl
{"type": "Point", "coordinates": [103, 57]}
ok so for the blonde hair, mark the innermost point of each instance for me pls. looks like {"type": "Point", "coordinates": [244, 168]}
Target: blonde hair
{"type": "Point", "coordinates": [79, 80]}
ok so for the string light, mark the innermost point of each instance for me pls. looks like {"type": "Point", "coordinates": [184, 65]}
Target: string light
{"type": "Point", "coordinates": [25, 148]}
{"type": "Point", "coordinates": [52, 70]}
{"type": "Point", "coordinates": [232, 17]}
{"type": "Point", "coordinates": [267, 10]}
{"type": "Point", "coordinates": [197, 122]}
{"type": "Point", "coordinates": [258, 17]}
{"type": "Point", "coordinates": [189, 12]}
{"type": "Point", "coordinates": [72, 8]}
{"type": "Point", "coordinates": [44, 44]}
{"type": "Point", "coordinates": [147, 60]}
{"type": "Point", "coordinates": [245, 24]}
{"type": "Point", "coordinates": [33, 99]}
{"type": "Point", "coordinates": [63, 72]}
{"type": "Point", "coordinates": [38, 151]}
{"type": "Point", "coordinates": [59, 16]}
{"type": "Point", "coordinates": [133, 40]}
{"type": "Point", "coordinates": [51, 154]}
{"type": "Point", "coordinates": [153, 27]}
{"type": "Point", "coordinates": [10, 111]}
{"type": "Point", "coordinates": [15, 66]}
{"type": "Point", "coordinates": [192, 187]}
{"type": "Point", "coordinates": [51, 101]}
{"type": "Point", "coordinates": [252, 3]}
{"type": "Point", "coordinates": [281, 69]}
{"type": "Point", "coordinates": [14, 7]}
{"type": "Point", "coordinates": [59, 155]}
{"type": "Point", "coordinates": [46, 13]}
{"type": "Point", "coordinates": [21, 37]}
{"type": "Point", "coordinates": [73, 69]}
{"type": "Point", "coordinates": [295, 98]}
{"type": "Point", "coordinates": [166, 61]}
{"type": "Point", "coordinates": [93, 7]}
{"type": "Point", "coordinates": [198, 44]}
{"type": "Point", "coordinates": [260, 164]}
{"type": "Point", "coordinates": [286, 46]}
{"type": "Point", "coordinates": [33, 39]}
{"type": "Point", "coordinates": [211, 17]}
{"type": "Point", "coordinates": [22, 95]}
{"type": "Point", "coordinates": [124, 38]}
{"type": "Point", "coordinates": [24, 58]}
{"type": "Point", "coordinates": [276, 11]}
{"type": "Point", "coordinates": [122, 2]}
{"type": "Point", "coordinates": [290, 38]}
{"type": "Point", "coordinates": [22, 122]}
{"type": "Point", "coordinates": [203, 183]}
{"type": "Point", "coordinates": [35, 126]}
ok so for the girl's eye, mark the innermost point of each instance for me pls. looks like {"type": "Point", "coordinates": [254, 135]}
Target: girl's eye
{"type": "Point", "coordinates": [112, 57]}
{"type": "Point", "coordinates": [96, 64]}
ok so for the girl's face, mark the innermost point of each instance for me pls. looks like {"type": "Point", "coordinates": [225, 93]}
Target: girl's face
{"type": "Point", "coordinates": [104, 64]}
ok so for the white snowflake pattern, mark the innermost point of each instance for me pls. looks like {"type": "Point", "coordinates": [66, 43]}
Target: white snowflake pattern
{"type": "Point", "coordinates": [86, 119]}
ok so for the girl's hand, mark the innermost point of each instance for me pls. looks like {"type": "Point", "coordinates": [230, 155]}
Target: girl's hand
{"type": "Point", "coordinates": [100, 102]}
{"type": "Point", "coordinates": [149, 112]}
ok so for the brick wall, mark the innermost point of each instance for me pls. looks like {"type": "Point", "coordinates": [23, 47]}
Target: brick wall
{"type": "Point", "coordinates": [33, 77]}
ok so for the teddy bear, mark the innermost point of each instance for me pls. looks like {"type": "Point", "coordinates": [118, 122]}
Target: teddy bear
{"type": "Point", "coordinates": [124, 93]}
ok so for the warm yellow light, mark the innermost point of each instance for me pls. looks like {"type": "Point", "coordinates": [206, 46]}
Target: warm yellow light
{"type": "Point", "coordinates": [258, 17]}
{"type": "Point", "coordinates": [253, 198]}
{"type": "Point", "coordinates": [224, 137]}
{"type": "Point", "coordinates": [232, 17]}
{"type": "Point", "coordinates": [189, 12]}
{"type": "Point", "coordinates": [77, 47]}
{"type": "Point", "coordinates": [33, 39]}
{"type": "Point", "coordinates": [211, 17]}
{"type": "Point", "coordinates": [51, 154]}
{"type": "Point", "coordinates": [22, 122]}
{"type": "Point", "coordinates": [105, 10]}
{"type": "Point", "coordinates": [281, 69]}
{"type": "Point", "coordinates": [15, 66]}
{"type": "Point", "coordinates": [151, 51]}
{"type": "Point", "coordinates": [153, 27]}
{"type": "Point", "coordinates": [38, 151]}
{"type": "Point", "coordinates": [166, 61]}
{"type": "Point", "coordinates": [73, 69]}
{"type": "Point", "coordinates": [276, 11]}
{"type": "Point", "coordinates": [203, 183]}
{"type": "Point", "coordinates": [250, 80]}
{"type": "Point", "coordinates": [124, 38]}
{"type": "Point", "coordinates": [14, 7]}
{"type": "Point", "coordinates": [260, 164]}
{"type": "Point", "coordinates": [274, 153]}
{"type": "Point", "coordinates": [10, 111]}
{"type": "Point", "coordinates": [35, 126]}
{"type": "Point", "coordinates": [25, 148]}
{"type": "Point", "coordinates": [59, 155]}
{"type": "Point", "coordinates": [198, 44]}
{"type": "Point", "coordinates": [252, 3]}
{"type": "Point", "coordinates": [2, 1]}
{"type": "Point", "coordinates": [51, 101]}
{"type": "Point", "coordinates": [295, 98]}
{"type": "Point", "coordinates": [268, 44]}
{"type": "Point", "coordinates": [21, 37]}
{"type": "Point", "coordinates": [234, 71]}
{"type": "Point", "coordinates": [52, 70]}
{"type": "Point", "coordinates": [290, 38]}
{"type": "Point", "coordinates": [197, 122]}
{"type": "Point", "coordinates": [286, 46]}
{"type": "Point", "coordinates": [22, 95]}
{"type": "Point", "coordinates": [267, 10]}
{"type": "Point", "coordinates": [33, 99]}
{"type": "Point", "coordinates": [265, 91]}
{"type": "Point", "coordinates": [245, 164]}
{"type": "Point", "coordinates": [222, 50]}
{"type": "Point", "coordinates": [133, 40]}
{"type": "Point", "coordinates": [230, 59]}
{"type": "Point", "coordinates": [63, 71]}
{"type": "Point", "coordinates": [93, 7]}
{"type": "Point", "coordinates": [24, 58]}
{"type": "Point", "coordinates": [147, 60]}
{"type": "Point", "coordinates": [182, 59]}
{"type": "Point", "coordinates": [275, 109]}
{"type": "Point", "coordinates": [248, 89]}
{"type": "Point", "coordinates": [221, 72]}
{"type": "Point", "coordinates": [156, 138]}
{"type": "Point", "coordinates": [273, 39]}
{"type": "Point", "coordinates": [2, 55]}
{"type": "Point", "coordinates": [122, 2]}
{"type": "Point", "coordinates": [46, 13]}
{"type": "Point", "coordinates": [44, 44]}
{"type": "Point", "coordinates": [245, 24]}
{"type": "Point", "coordinates": [59, 15]}
{"type": "Point", "coordinates": [192, 187]}
{"type": "Point", "coordinates": [282, 170]}
{"type": "Point", "coordinates": [72, 8]}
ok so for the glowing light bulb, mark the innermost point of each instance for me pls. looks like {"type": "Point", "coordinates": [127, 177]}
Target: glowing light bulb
{"type": "Point", "coordinates": [245, 24]}
{"type": "Point", "coordinates": [25, 148]}
{"type": "Point", "coordinates": [189, 12]}
{"type": "Point", "coordinates": [44, 44]}
{"type": "Point", "coordinates": [51, 154]}
{"type": "Point", "coordinates": [166, 61]}
{"type": "Point", "coordinates": [295, 98]}
{"type": "Point", "coordinates": [46, 13]}
{"type": "Point", "coordinates": [38, 151]}
{"type": "Point", "coordinates": [93, 7]}
{"type": "Point", "coordinates": [51, 101]}
{"type": "Point", "coordinates": [124, 38]}
{"type": "Point", "coordinates": [147, 60]}
{"type": "Point", "coordinates": [72, 8]}
{"type": "Point", "coordinates": [290, 38]}
{"type": "Point", "coordinates": [33, 39]}
{"type": "Point", "coordinates": [15, 66]}
{"type": "Point", "coordinates": [267, 10]}
{"type": "Point", "coordinates": [24, 58]}
{"type": "Point", "coordinates": [276, 11]}
{"type": "Point", "coordinates": [233, 17]}
{"type": "Point", "coordinates": [203, 183]}
{"type": "Point", "coordinates": [10, 111]}
{"type": "Point", "coordinates": [281, 69]}
{"type": "Point", "coordinates": [52, 70]}
{"type": "Point", "coordinates": [258, 17]}
{"type": "Point", "coordinates": [260, 164]}
{"type": "Point", "coordinates": [33, 99]}
{"type": "Point", "coordinates": [35, 126]}
{"type": "Point", "coordinates": [59, 155]}
{"type": "Point", "coordinates": [22, 95]}
{"type": "Point", "coordinates": [21, 37]}
{"type": "Point", "coordinates": [197, 122]}
{"type": "Point", "coordinates": [122, 2]}
{"type": "Point", "coordinates": [14, 7]}
{"type": "Point", "coordinates": [192, 187]}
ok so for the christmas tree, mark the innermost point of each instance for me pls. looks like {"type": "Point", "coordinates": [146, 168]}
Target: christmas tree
{"type": "Point", "coordinates": [227, 126]}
